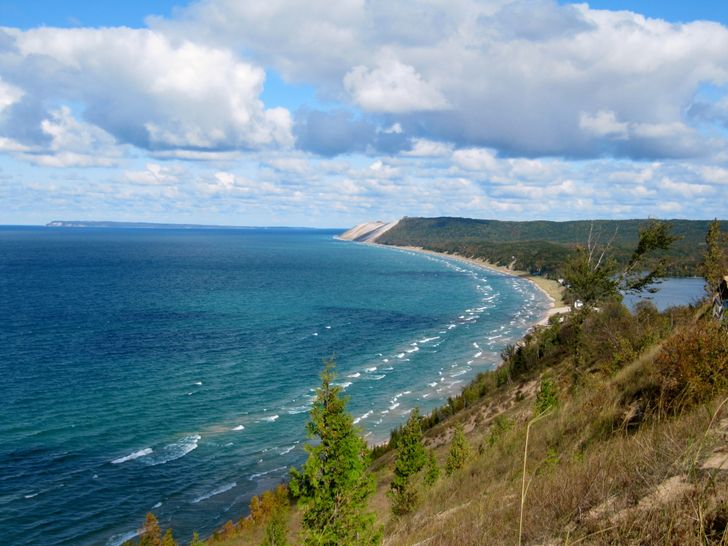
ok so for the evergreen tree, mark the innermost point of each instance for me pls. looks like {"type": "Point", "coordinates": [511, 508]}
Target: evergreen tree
{"type": "Point", "coordinates": [715, 260]}
{"type": "Point", "coordinates": [151, 534]}
{"type": "Point", "coordinates": [410, 460]}
{"type": "Point", "coordinates": [546, 397]}
{"type": "Point", "coordinates": [432, 471]}
{"type": "Point", "coordinates": [334, 485]}
{"type": "Point", "coordinates": [275, 531]}
{"type": "Point", "coordinates": [459, 451]}
{"type": "Point", "coordinates": [168, 539]}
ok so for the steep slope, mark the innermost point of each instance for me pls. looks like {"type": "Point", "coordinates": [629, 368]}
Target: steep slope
{"type": "Point", "coordinates": [368, 232]}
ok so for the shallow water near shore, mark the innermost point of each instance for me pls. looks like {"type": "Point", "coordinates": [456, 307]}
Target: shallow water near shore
{"type": "Point", "coordinates": [172, 370]}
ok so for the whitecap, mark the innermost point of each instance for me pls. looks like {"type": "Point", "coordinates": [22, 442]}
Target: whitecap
{"type": "Point", "coordinates": [478, 354]}
{"type": "Point", "coordinates": [428, 339]}
{"type": "Point", "coordinates": [198, 383]}
{"type": "Point", "coordinates": [298, 409]}
{"type": "Point", "coordinates": [135, 455]}
{"type": "Point", "coordinates": [218, 491]}
{"type": "Point", "coordinates": [118, 540]}
{"type": "Point", "coordinates": [31, 495]}
{"type": "Point", "coordinates": [328, 327]}
{"type": "Point", "coordinates": [259, 474]}
{"type": "Point", "coordinates": [433, 384]}
{"type": "Point", "coordinates": [372, 369]}
{"type": "Point", "coordinates": [394, 406]}
{"type": "Point", "coordinates": [476, 345]}
{"type": "Point", "coordinates": [400, 355]}
{"type": "Point", "coordinates": [315, 334]}
{"type": "Point", "coordinates": [269, 419]}
{"type": "Point", "coordinates": [239, 427]}
{"type": "Point", "coordinates": [385, 360]}
{"type": "Point", "coordinates": [173, 451]}
{"type": "Point", "coordinates": [354, 375]}
{"type": "Point", "coordinates": [157, 505]}
{"type": "Point", "coordinates": [415, 349]}
{"type": "Point", "coordinates": [288, 449]}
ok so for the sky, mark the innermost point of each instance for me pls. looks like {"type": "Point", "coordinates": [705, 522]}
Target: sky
{"type": "Point", "coordinates": [328, 114]}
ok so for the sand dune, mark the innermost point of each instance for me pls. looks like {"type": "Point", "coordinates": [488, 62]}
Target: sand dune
{"type": "Point", "coordinates": [367, 232]}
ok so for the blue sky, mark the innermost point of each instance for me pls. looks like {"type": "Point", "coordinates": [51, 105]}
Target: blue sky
{"type": "Point", "coordinates": [319, 114]}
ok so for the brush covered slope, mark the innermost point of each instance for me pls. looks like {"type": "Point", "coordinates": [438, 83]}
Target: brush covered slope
{"type": "Point", "coordinates": [541, 247]}
{"type": "Point", "coordinates": [602, 427]}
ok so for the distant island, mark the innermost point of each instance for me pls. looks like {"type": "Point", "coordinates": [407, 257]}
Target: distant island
{"type": "Point", "coordinates": [153, 225]}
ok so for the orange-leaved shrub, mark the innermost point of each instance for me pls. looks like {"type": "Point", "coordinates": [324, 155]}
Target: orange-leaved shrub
{"type": "Point", "coordinates": [693, 365]}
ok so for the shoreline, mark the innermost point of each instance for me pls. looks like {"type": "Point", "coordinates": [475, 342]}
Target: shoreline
{"type": "Point", "coordinates": [549, 288]}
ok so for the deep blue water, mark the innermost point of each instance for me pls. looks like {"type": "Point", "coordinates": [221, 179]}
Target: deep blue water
{"type": "Point", "coordinates": [171, 370]}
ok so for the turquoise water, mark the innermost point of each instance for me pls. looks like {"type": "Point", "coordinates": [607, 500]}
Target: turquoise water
{"type": "Point", "coordinates": [171, 370]}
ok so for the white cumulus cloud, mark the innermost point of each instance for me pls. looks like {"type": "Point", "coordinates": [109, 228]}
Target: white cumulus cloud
{"type": "Point", "coordinates": [149, 90]}
{"type": "Point", "coordinates": [392, 87]}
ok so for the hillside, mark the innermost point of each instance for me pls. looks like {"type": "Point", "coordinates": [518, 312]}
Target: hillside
{"type": "Point", "coordinates": [599, 428]}
{"type": "Point", "coordinates": [540, 247]}
{"type": "Point", "coordinates": [632, 447]}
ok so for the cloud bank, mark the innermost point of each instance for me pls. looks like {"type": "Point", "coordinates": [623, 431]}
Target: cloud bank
{"type": "Point", "coordinates": [506, 108]}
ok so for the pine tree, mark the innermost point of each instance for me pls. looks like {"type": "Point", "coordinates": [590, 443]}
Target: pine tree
{"type": "Point", "coordinates": [459, 451]}
{"type": "Point", "coordinates": [334, 485]}
{"type": "Point", "coordinates": [168, 539]}
{"type": "Point", "coordinates": [715, 260]}
{"type": "Point", "coordinates": [275, 531]}
{"type": "Point", "coordinates": [410, 460]}
{"type": "Point", "coordinates": [151, 533]}
{"type": "Point", "coordinates": [546, 397]}
{"type": "Point", "coordinates": [432, 471]}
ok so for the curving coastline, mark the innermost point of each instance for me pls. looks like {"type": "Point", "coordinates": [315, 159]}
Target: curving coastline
{"type": "Point", "coordinates": [369, 233]}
